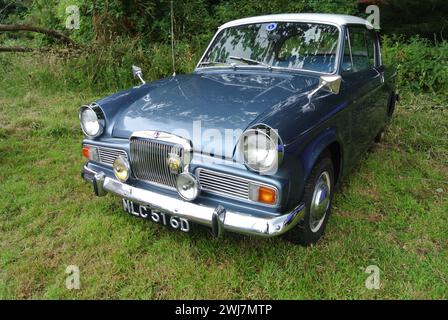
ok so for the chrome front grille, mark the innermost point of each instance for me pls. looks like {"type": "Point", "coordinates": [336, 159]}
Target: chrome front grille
{"type": "Point", "coordinates": [149, 160]}
{"type": "Point", "coordinates": [223, 184]}
{"type": "Point", "coordinates": [108, 155]}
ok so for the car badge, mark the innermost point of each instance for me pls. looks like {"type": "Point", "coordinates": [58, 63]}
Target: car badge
{"type": "Point", "coordinates": [174, 163]}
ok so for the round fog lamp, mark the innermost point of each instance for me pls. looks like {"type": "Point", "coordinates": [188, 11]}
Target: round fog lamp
{"type": "Point", "coordinates": [187, 186]}
{"type": "Point", "coordinates": [122, 169]}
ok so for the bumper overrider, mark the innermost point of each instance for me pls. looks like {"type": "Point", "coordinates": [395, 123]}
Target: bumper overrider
{"type": "Point", "coordinates": [218, 218]}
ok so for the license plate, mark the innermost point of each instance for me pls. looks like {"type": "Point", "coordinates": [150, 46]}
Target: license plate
{"type": "Point", "coordinates": [146, 212]}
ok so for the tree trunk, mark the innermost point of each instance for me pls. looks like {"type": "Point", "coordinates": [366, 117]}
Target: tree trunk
{"type": "Point", "coordinates": [16, 49]}
{"type": "Point", "coordinates": [58, 51]}
{"type": "Point", "coordinates": [52, 33]}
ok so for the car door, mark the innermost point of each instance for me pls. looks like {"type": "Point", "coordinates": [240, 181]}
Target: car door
{"type": "Point", "coordinates": [361, 80]}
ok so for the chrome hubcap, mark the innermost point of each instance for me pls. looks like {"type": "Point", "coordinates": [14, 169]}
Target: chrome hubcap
{"type": "Point", "coordinates": [320, 201]}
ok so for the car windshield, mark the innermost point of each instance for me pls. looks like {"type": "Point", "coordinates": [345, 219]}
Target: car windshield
{"type": "Point", "coordinates": [306, 46]}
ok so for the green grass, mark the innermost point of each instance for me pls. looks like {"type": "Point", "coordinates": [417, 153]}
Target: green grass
{"type": "Point", "coordinates": [391, 212]}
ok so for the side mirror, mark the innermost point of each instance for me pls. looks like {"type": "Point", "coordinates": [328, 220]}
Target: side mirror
{"type": "Point", "coordinates": [331, 84]}
{"type": "Point", "coordinates": [138, 74]}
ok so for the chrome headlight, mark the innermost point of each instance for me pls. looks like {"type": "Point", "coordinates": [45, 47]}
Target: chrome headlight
{"type": "Point", "coordinates": [92, 120]}
{"type": "Point", "coordinates": [261, 149]}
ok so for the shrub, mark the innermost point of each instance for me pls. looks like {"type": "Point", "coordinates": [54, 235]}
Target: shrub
{"type": "Point", "coordinates": [97, 69]}
{"type": "Point", "coordinates": [106, 67]}
{"type": "Point", "coordinates": [421, 67]}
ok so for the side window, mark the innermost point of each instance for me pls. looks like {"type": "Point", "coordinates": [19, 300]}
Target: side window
{"type": "Point", "coordinates": [359, 49]}
{"type": "Point", "coordinates": [347, 65]}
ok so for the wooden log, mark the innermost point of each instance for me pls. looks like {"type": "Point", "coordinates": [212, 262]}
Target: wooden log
{"type": "Point", "coordinates": [17, 49]}
{"type": "Point", "coordinates": [49, 32]}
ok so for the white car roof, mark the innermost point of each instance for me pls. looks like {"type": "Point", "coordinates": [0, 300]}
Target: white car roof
{"type": "Point", "coordinates": [337, 19]}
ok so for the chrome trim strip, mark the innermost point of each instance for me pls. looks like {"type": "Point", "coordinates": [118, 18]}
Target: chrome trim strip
{"type": "Point", "coordinates": [218, 216]}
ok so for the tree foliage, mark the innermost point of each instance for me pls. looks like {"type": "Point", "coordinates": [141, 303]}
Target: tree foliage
{"type": "Point", "coordinates": [115, 34]}
{"type": "Point", "coordinates": [196, 20]}
{"type": "Point", "coordinates": [428, 18]}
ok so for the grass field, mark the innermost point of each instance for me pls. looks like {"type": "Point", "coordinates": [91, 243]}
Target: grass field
{"type": "Point", "coordinates": [392, 212]}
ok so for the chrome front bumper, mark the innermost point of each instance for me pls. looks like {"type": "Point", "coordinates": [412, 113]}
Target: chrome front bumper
{"type": "Point", "coordinates": [218, 218]}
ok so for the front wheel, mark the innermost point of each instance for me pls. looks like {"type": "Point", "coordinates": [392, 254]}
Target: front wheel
{"type": "Point", "coordinates": [317, 198]}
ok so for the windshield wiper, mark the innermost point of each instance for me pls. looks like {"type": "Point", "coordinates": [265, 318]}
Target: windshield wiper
{"type": "Point", "coordinates": [250, 61]}
{"type": "Point", "coordinates": [207, 63]}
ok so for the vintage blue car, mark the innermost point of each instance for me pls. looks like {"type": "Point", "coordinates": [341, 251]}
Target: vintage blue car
{"type": "Point", "coordinates": [256, 139]}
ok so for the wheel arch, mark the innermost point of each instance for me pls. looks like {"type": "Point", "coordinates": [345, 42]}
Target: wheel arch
{"type": "Point", "coordinates": [327, 142]}
{"type": "Point", "coordinates": [335, 150]}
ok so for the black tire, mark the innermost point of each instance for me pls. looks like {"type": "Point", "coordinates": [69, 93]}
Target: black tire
{"type": "Point", "coordinates": [303, 234]}
{"type": "Point", "coordinates": [391, 104]}
{"type": "Point", "coordinates": [379, 137]}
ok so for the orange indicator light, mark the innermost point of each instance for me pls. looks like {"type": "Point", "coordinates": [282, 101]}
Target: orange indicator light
{"type": "Point", "coordinates": [85, 152]}
{"type": "Point", "coordinates": [267, 195]}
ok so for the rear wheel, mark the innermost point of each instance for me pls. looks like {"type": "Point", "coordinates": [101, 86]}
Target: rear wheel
{"type": "Point", "coordinates": [379, 137]}
{"type": "Point", "coordinates": [391, 103]}
{"type": "Point", "coordinates": [317, 198]}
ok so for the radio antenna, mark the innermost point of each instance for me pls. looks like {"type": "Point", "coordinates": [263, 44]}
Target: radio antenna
{"type": "Point", "coordinates": [172, 39]}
